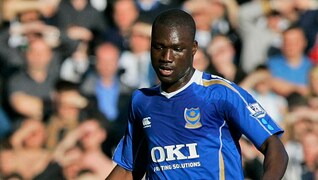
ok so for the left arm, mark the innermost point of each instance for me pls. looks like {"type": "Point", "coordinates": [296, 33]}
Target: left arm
{"type": "Point", "coordinates": [276, 158]}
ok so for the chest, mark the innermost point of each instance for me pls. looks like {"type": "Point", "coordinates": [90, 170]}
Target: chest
{"type": "Point", "coordinates": [180, 120]}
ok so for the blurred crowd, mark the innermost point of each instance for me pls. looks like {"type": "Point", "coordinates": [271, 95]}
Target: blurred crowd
{"type": "Point", "coordinates": [69, 67]}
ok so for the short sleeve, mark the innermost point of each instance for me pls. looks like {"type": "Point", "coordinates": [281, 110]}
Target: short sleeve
{"type": "Point", "coordinates": [247, 115]}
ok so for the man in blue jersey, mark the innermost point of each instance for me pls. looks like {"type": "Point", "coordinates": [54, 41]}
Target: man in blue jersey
{"type": "Point", "coordinates": [188, 127]}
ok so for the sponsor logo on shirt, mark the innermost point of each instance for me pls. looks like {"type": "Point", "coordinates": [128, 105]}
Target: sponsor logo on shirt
{"type": "Point", "coordinates": [173, 153]}
{"type": "Point", "coordinates": [146, 122]}
{"type": "Point", "coordinates": [256, 110]}
{"type": "Point", "coordinates": [192, 117]}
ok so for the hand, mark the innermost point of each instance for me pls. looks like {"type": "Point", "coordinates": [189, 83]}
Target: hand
{"type": "Point", "coordinates": [28, 127]}
{"type": "Point", "coordinates": [282, 6]}
{"type": "Point", "coordinates": [256, 77]}
{"type": "Point", "coordinates": [30, 27]}
{"type": "Point", "coordinates": [261, 75]}
{"type": "Point", "coordinates": [80, 55]}
{"type": "Point", "coordinates": [48, 7]}
{"type": "Point", "coordinates": [79, 33]}
{"type": "Point", "coordinates": [29, 106]}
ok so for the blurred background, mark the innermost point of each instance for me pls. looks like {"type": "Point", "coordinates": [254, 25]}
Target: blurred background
{"type": "Point", "coordinates": [68, 68]}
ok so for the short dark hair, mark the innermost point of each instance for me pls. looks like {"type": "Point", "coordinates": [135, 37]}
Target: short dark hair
{"type": "Point", "coordinates": [64, 85]}
{"type": "Point", "coordinates": [294, 26]}
{"type": "Point", "coordinates": [176, 18]}
{"type": "Point", "coordinates": [296, 100]}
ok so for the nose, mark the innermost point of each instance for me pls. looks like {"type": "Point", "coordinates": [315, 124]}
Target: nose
{"type": "Point", "coordinates": [167, 55]}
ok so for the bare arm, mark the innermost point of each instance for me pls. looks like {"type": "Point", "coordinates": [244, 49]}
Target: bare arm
{"type": "Point", "coordinates": [120, 173]}
{"type": "Point", "coordinates": [232, 7]}
{"type": "Point", "coordinates": [67, 142]}
{"type": "Point", "coordinates": [276, 158]}
{"type": "Point", "coordinates": [289, 88]}
{"type": "Point", "coordinates": [13, 7]}
{"type": "Point", "coordinates": [27, 105]}
{"type": "Point", "coordinates": [255, 77]}
{"type": "Point", "coordinates": [27, 128]}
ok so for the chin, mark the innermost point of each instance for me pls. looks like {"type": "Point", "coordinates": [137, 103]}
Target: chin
{"type": "Point", "coordinates": [166, 79]}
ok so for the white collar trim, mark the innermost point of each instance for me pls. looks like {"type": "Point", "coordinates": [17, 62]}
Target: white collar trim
{"type": "Point", "coordinates": [196, 77]}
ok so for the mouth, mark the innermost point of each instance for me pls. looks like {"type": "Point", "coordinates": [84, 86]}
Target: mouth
{"type": "Point", "coordinates": [165, 70]}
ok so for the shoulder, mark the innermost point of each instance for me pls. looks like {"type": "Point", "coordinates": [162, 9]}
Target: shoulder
{"type": "Point", "coordinates": [214, 81]}
{"type": "Point", "coordinates": [127, 57]}
{"type": "Point", "coordinates": [276, 59]}
{"type": "Point", "coordinates": [126, 54]}
{"type": "Point", "coordinates": [18, 76]}
{"type": "Point", "coordinates": [221, 88]}
{"type": "Point", "coordinates": [143, 94]}
{"type": "Point", "coordinates": [308, 61]}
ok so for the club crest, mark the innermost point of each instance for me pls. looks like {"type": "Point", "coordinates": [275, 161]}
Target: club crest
{"type": "Point", "coordinates": [192, 117]}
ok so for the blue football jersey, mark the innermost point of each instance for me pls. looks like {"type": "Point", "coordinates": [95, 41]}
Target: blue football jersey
{"type": "Point", "coordinates": [192, 133]}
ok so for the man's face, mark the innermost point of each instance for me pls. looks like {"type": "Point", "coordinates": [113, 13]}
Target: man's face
{"type": "Point", "coordinates": [172, 51]}
{"type": "Point", "coordinates": [93, 135]}
{"type": "Point", "coordinates": [294, 43]}
{"type": "Point", "coordinates": [38, 55]}
{"type": "Point", "coordinates": [107, 62]}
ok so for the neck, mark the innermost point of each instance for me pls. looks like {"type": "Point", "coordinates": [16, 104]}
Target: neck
{"type": "Point", "coordinates": [179, 83]}
{"type": "Point", "coordinates": [294, 61]}
{"type": "Point", "coordinates": [107, 81]}
{"type": "Point", "coordinates": [38, 75]}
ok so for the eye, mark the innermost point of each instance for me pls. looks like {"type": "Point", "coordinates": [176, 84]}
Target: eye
{"type": "Point", "coordinates": [178, 49]}
{"type": "Point", "coordinates": [157, 47]}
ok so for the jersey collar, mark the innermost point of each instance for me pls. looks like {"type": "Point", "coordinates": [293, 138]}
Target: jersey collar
{"type": "Point", "coordinates": [196, 77]}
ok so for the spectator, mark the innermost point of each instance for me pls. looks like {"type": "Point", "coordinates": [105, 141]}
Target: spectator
{"type": "Point", "coordinates": [222, 59]}
{"type": "Point", "coordinates": [68, 105]}
{"type": "Point", "coordinates": [31, 87]}
{"type": "Point", "coordinates": [212, 17]}
{"type": "Point", "coordinates": [298, 121]}
{"type": "Point", "coordinates": [258, 84]}
{"type": "Point", "coordinates": [73, 68]}
{"type": "Point", "coordinates": [27, 27]}
{"type": "Point", "coordinates": [252, 160]}
{"type": "Point", "coordinates": [69, 162]}
{"type": "Point", "coordinates": [151, 8]}
{"type": "Point", "coordinates": [310, 143]}
{"type": "Point", "coordinates": [90, 134]}
{"type": "Point", "coordinates": [308, 13]}
{"type": "Point", "coordinates": [125, 13]}
{"type": "Point", "coordinates": [103, 84]}
{"type": "Point", "coordinates": [260, 28]}
{"type": "Point", "coordinates": [27, 157]}
{"type": "Point", "coordinates": [295, 127]}
{"type": "Point", "coordinates": [201, 60]}
{"type": "Point", "coordinates": [136, 62]}
{"type": "Point", "coordinates": [313, 88]}
{"type": "Point", "coordinates": [203, 18]}
{"type": "Point", "coordinates": [290, 69]}
{"type": "Point", "coordinates": [10, 8]}
{"type": "Point", "coordinates": [81, 21]}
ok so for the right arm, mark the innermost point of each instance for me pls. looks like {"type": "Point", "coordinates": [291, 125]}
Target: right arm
{"type": "Point", "coordinates": [119, 173]}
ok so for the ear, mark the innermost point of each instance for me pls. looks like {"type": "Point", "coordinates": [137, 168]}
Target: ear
{"type": "Point", "coordinates": [194, 47]}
